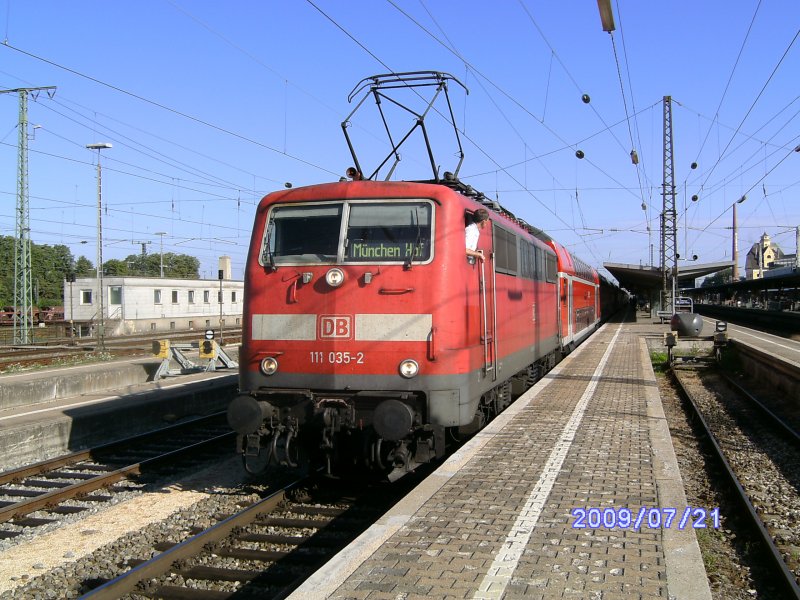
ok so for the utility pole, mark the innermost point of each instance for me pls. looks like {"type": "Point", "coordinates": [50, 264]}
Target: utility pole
{"type": "Point", "coordinates": [101, 327]}
{"type": "Point", "coordinates": [23, 276]}
{"type": "Point", "coordinates": [221, 275]}
{"type": "Point", "coordinates": [144, 254]}
{"type": "Point", "coordinates": [161, 251]}
{"type": "Point", "coordinates": [669, 217]}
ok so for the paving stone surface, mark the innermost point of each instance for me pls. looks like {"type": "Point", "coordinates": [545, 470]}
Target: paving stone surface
{"type": "Point", "coordinates": [496, 530]}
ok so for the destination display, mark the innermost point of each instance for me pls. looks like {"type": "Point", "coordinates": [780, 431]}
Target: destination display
{"type": "Point", "coordinates": [358, 250]}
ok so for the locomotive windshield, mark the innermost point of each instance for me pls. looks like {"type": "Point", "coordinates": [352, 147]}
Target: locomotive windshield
{"type": "Point", "coordinates": [373, 232]}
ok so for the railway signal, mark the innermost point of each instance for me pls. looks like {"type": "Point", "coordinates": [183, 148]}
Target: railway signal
{"type": "Point", "coordinates": [208, 349]}
{"type": "Point", "coordinates": [161, 348]}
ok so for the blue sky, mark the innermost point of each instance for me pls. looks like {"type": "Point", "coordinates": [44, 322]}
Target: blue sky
{"type": "Point", "coordinates": [211, 105]}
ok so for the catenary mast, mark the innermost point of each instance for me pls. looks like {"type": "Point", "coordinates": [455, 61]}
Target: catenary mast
{"type": "Point", "coordinates": [23, 277]}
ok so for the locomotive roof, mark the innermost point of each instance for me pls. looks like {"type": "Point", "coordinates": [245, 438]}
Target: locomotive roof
{"type": "Point", "coordinates": [449, 181]}
{"type": "Point", "coordinates": [459, 186]}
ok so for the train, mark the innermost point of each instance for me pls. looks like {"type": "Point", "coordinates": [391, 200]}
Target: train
{"type": "Point", "coordinates": [45, 314]}
{"type": "Point", "coordinates": [371, 342]}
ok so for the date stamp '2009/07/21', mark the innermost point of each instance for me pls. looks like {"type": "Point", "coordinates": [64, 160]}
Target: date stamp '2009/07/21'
{"type": "Point", "coordinates": [645, 518]}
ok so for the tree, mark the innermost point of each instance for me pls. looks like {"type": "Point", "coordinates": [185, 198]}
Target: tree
{"type": "Point", "coordinates": [718, 278]}
{"type": "Point", "coordinates": [115, 268]}
{"type": "Point", "coordinates": [7, 271]}
{"type": "Point", "coordinates": [180, 266]}
{"type": "Point", "coordinates": [84, 267]}
{"type": "Point", "coordinates": [51, 264]}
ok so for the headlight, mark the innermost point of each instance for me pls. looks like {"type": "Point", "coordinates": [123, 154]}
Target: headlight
{"type": "Point", "coordinates": [409, 368]}
{"type": "Point", "coordinates": [334, 277]}
{"type": "Point", "coordinates": [269, 365]}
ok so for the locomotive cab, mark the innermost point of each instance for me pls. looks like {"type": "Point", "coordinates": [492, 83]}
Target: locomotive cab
{"type": "Point", "coordinates": [338, 325]}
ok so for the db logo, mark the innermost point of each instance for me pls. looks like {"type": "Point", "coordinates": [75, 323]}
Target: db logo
{"type": "Point", "coordinates": [335, 326]}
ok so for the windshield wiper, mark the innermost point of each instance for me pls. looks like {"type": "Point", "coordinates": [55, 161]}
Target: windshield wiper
{"type": "Point", "coordinates": [407, 263]}
{"type": "Point", "coordinates": [268, 244]}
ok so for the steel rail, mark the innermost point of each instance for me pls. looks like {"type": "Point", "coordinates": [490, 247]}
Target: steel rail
{"type": "Point", "coordinates": [776, 420]}
{"type": "Point", "coordinates": [127, 582]}
{"type": "Point", "coordinates": [90, 453]}
{"type": "Point", "coordinates": [50, 499]}
{"type": "Point", "coordinates": [79, 347]}
{"type": "Point", "coordinates": [787, 579]}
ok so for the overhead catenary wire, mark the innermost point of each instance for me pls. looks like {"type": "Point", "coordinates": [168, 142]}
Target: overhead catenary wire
{"type": "Point", "coordinates": [730, 78]}
{"type": "Point", "coordinates": [519, 104]}
{"type": "Point", "coordinates": [451, 49]}
{"type": "Point", "coordinates": [750, 109]}
{"type": "Point", "coordinates": [754, 185]}
{"type": "Point", "coordinates": [634, 152]}
{"type": "Point", "coordinates": [169, 109]}
{"type": "Point", "coordinates": [534, 177]}
{"type": "Point", "coordinates": [158, 155]}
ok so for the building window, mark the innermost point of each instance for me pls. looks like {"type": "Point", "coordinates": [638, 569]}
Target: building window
{"type": "Point", "coordinates": [219, 297]}
{"type": "Point", "coordinates": [191, 296]}
{"type": "Point", "coordinates": [191, 325]}
{"type": "Point", "coordinates": [174, 296]}
{"type": "Point", "coordinates": [156, 296]}
{"type": "Point", "coordinates": [208, 323]}
{"type": "Point", "coordinates": [172, 325]}
{"type": "Point", "coordinates": [206, 296]}
{"type": "Point", "coordinates": [238, 321]}
{"type": "Point", "coordinates": [233, 296]}
{"type": "Point", "coordinates": [86, 296]}
{"type": "Point", "coordinates": [152, 326]}
{"type": "Point", "coordinates": [115, 295]}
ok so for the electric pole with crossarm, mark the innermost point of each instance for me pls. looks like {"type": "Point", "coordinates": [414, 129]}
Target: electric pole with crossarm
{"type": "Point", "coordinates": [23, 278]}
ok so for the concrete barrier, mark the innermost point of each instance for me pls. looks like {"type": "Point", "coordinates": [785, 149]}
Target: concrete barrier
{"type": "Point", "coordinates": [100, 419]}
{"type": "Point", "coordinates": [779, 375]}
{"type": "Point", "coordinates": [36, 387]}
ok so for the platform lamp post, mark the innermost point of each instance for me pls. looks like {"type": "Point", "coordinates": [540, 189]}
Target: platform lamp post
{"type": "Point", "coordinates": [101, 341]}
{"type": "Point", "coordinates": [161, 234]}
{"type": "Point", "coordinates": [735, 241]}
{"type": "Point", "coordinates": [71, 280]}
{"type": "Point", "coordinates": [220, 274]}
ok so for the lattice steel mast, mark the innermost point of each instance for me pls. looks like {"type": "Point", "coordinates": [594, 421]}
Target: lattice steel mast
{"type": "Point", "coordinates": [669, 225]}
{"type": "Point", "coordinates": [23, 277]}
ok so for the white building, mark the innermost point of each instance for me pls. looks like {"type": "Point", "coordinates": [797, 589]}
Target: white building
{"type": "Point", "coordinates": [152, 304]}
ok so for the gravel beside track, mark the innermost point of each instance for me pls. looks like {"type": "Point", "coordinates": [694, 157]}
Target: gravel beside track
{"type": "Point", "coordinates": [766, 465]}
{"type": "Point", "coordinates": [57, 564]}
{"type": "Point", "coordinates": [733, 561]}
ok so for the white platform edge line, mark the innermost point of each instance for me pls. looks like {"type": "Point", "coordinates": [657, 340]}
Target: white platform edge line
{"type": "Point", "coordinates": [325, 581]}
{"type": "Point", "coordinates": [501, 571]}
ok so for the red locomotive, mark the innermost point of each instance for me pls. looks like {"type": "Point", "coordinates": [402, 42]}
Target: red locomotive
{"type": "Point", "coordinates": [369, 332]}
{"type": "Point", "coordinates": [370, 339]}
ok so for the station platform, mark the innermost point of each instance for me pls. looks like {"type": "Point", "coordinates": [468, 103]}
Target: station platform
{"type": "Point", "coordinates": [53, 412]}
{"type": "Point", "coordinates": [502, 517]}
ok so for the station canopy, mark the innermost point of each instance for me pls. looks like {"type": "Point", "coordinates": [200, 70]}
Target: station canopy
{"type": "Point", "coordinates": [646, 279]}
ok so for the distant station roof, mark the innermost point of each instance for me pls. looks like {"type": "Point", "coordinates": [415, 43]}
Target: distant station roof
{"type": "Point", "coordinates": [779, 279]}
{"type": "Point", "coordinates": [646, 278]}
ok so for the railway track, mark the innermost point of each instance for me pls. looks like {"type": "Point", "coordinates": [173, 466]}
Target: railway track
{"type": "Point", "coordinates": [758, 452]}
{"type": "Point", "coordinates": [66, 485]}
{"type": "Point", "coordinates": [241, 537]}
{"type": "Point", "coordinates": [262, 550]}
{"type": "Point", "coordinates": [65, 350]}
